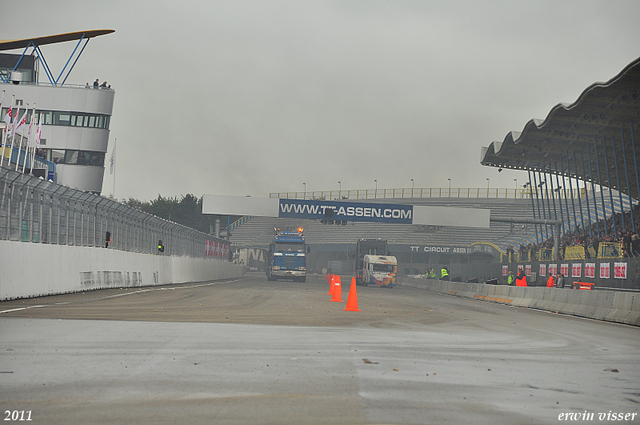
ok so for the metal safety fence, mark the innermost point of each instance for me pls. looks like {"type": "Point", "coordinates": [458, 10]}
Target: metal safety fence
{"type": "Point", "coordinates": [426, 192]}
{"type": "Point", "coordinates": [38, 211]}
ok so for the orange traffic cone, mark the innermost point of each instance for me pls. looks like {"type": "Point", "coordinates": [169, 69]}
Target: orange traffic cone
{"type": "Point", "coordinates": [331, 280]}
{"type": "Point", "coordinates": [337, 290]}
{"type": "Point", "coordinates": [352, 301]}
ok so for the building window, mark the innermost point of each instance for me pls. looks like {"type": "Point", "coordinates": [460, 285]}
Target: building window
{"type": "Point", "coordinates": [71, 157]}
{"type": "Point", "coordinates": [46, 117]}
{"type": "Point", "coordinates": [61, 118]}
{"type": "Point", "coordinates": [74, 157]}
{"type": "Point", "coordinates": [73, 119]}
{"type": "Point", "coordinates": [55, 155]}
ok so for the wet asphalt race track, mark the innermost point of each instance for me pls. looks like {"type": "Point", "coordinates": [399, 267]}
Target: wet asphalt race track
{"type": "Point", "coordinates": [249, 351]}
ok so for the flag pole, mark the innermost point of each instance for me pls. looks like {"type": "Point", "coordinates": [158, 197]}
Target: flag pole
{"type": "Point", "coordinates": [13, 138]}
{"type": "Point", "coordinates": [4, 147]}
{"type": "Point", "coordinates": [33, 156]}
{"type": "Point", "coordinates": [6, 129]}
{"type": "Point", "coordinates": [26, 154]}
{"type": "Point", "coordinates": [20, 146]}
{"type": "Point", "coordinates": [113, 168]}
{"type": "Point", "coordinates": [37, 143]}
{"type": "Point", "coordinates": [3, 133]}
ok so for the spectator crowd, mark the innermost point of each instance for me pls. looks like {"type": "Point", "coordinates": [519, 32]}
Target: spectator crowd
{"type": "Point", "coordinates": [592, 237]}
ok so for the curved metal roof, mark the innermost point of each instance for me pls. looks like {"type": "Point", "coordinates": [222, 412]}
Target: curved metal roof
{"type": "Point", "coordinates": [599, 129]}
{"type": "Point", "coordinates": [51, 39]}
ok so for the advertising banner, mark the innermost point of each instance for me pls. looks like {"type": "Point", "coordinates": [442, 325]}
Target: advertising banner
{"type": "Point", "coordinates": [216, 249]}
{"type": "Point", "coordinates": [605, 270]}
{"type": "Point", "coordinates": [208, 247]}
{"type": "Point", "coordinates": [440, 249]}
{"type": "Point", "coordinates": [346, 211]}
{"type": "Point", "coordinates": [543, 270]}
{"type": "Point", "coordinates": [620, 270]}
{"type": "Point", "coordinates": [590, 270]}
{"type": "Point", "coordinates": [576, 270]}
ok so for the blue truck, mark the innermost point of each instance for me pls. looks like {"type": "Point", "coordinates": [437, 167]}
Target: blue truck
{"type": "Point", "coordinates": [287, 256]}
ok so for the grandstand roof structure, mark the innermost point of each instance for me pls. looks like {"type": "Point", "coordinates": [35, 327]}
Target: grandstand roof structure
{"type": "Point", "coordinates": [35, 43]}
{"type": "Point", "coordinates": [592, 139]}
{"type": "Point", "coordinates": [51, 39]}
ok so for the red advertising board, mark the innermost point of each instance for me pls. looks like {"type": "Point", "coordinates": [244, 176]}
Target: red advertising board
{"type": "Point", "coordinates": [590, 270]}
{"type": "Point", "coordinates": [216, 249]}
{"type": "Point", "coordinates": [543, 270]}
{"type": "Point", "coordinates": [619, 270]}
{"type": "Point", "coordinates": [576, 270]}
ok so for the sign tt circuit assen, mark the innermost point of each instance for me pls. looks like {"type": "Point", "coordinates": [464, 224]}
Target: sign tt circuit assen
{"type": "Point", "coordinates": [347, 211]}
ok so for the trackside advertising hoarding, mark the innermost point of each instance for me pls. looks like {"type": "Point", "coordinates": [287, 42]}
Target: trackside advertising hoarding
{"type": "Point", "coordinates": [347, 211]}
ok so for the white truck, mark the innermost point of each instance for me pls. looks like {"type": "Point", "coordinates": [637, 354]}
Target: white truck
{"type": "Point", "coordinates": [380, 270]}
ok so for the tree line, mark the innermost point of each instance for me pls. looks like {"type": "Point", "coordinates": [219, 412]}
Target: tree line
{"type": "Point", "coordinates": [186, 210]}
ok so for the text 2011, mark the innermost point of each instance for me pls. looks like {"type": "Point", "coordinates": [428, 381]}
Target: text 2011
{"type": "Point", "coordinates": [17, 415]}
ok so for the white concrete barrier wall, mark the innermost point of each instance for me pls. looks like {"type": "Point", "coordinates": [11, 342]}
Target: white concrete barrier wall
{"type": "Point", "coordinates": [622, 307]}
{"type": "Point", "coordinates": [31, 270]}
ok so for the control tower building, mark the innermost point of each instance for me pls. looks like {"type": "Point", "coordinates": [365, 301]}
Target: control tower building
{"type": "Point", "coordinates": [75, 118]}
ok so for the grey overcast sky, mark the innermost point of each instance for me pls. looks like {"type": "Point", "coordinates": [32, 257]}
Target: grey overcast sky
{"type": "Point", "coordinates": [242, 97]}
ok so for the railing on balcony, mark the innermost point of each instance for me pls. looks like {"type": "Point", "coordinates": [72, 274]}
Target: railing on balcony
{"type": "Point", "coordinates": [454, 192]}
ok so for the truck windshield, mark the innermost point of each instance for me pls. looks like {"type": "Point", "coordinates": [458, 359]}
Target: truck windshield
{"type": "Point", "coordinates": [289, 247]}
{"type": "Point", "coordinates": [383, 267]}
